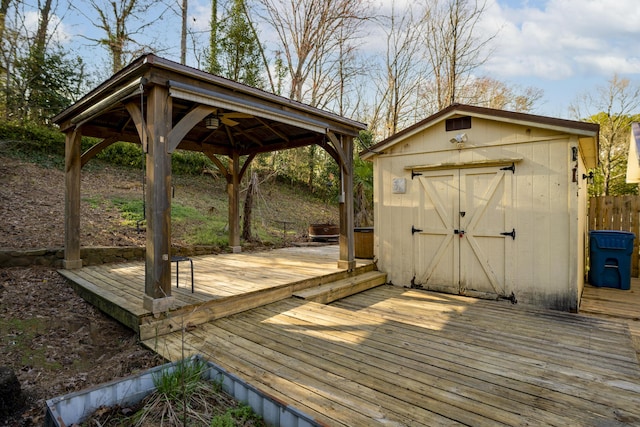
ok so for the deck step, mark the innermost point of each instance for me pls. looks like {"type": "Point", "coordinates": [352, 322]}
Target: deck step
{"type": "Point", "coordinates": [333, 291]}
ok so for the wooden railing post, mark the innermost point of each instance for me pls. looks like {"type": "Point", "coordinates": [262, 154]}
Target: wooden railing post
{"type": "Point", "coordinates": [72, 258]}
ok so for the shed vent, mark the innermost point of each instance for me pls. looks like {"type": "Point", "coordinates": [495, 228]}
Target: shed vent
{"type": "Point", "coordinates": [458, 123]}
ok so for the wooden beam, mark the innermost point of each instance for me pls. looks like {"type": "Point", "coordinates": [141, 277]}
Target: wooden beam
{"type": "Point", "coordinates": [245, 134]}
{"type": "Point", "coordinates": [245, 165]}
{"type": "Point", "coordinates": [347, 253]}
{"type": "Point", "coordinates": [157, 296]}
{"type": "Point", "coordinates": [138, 119]}
{"type": "Point", "coordinates": [221, 167]}
{"type": "Point", "coordinates": [187, 123]}
{"type": "Point", "coordinates": [296, 143]}
{"type": "Point", "coordinates": [96, 148]}
{"type": "Point", "coordinates": [233, 190]}
{"type": "Point", "coordinates": [344, 157]}
{"type": "Point", "coordinates": [72, 258]}
{"type": "Point", "coordinates": [332, 152]}
{"type": "Point", "coordinates": [103, 132]}
{"type": "Point", "coordinates": [272, 129]}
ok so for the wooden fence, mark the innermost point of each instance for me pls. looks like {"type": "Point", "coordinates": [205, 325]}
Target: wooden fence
{"type": "Point", "coordinates": [617, 213]}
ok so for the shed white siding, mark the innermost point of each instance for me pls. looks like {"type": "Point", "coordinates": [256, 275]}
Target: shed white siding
{"type": "Point", "coordinates": [543, 199]}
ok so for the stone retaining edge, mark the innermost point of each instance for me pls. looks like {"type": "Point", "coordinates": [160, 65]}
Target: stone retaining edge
{"type": "Point", "coordinates": [95, 255]}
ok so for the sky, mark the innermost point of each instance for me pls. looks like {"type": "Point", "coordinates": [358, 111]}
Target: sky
{"type": "Point", "coordinates": [567, 48]}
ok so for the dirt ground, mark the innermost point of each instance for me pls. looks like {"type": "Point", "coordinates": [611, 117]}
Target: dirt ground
{"type": "Point", "coordinates": [55, 341]}
{"type": "Point", "coordinates": [32, 206]}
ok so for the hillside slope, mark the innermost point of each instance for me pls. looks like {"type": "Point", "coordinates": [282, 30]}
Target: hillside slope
{"type": "Point", "coordinates": [32, 208]}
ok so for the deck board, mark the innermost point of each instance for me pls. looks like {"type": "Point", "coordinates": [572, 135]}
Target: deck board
{"type": "Point", "coordinates": [222, 284]}
{"type": "Point", "coordinates": [617, 305]}
{"type": "Point", "coordinates": [389, 355]}
{"type": "Point", "coordinates": [394, 356]}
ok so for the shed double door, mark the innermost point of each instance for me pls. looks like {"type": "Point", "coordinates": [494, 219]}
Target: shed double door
{"type": "Point", "coordinates": [464, 233]}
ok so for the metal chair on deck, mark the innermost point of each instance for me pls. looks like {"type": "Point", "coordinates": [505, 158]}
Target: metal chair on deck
{"type": "Point", "coordinates": [178, 260]}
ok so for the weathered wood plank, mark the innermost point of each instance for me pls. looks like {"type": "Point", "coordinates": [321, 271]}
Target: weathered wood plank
{"type": "Point", "coordinates": [330, 292]}
{"type": "Point", "coordinates": [379, 372]}
{"type": "Point", "coordinates": [510, 336]}
{"type": "Point", "coordinates": [397, 372]}
{"type": "Point", "coordinates": [414, 367]}
{"type": "Point", "coordinates": [109, 304]}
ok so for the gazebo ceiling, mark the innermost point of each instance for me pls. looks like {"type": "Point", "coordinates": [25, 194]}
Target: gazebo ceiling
{"type": "Point", "coordinates": [251, 121]}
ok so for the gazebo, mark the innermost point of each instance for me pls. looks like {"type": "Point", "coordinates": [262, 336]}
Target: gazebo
{"type": "Point", "coordinates": [165, 106]}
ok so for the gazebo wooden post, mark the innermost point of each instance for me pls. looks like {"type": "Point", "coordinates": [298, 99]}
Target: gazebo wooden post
{"type": "Point", "coordinates": [233, 189]}
{"type": "Point", "coordinates": [73, 165]}
{"type": "Point", "coordinates": [347, 253]}
{"type": "Point", "coordinates": [157, 296]}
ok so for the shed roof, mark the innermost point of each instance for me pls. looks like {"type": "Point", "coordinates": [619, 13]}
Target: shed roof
{"type": "Point", "coordinates": [582, 129]}
{"type": "Point", "coordinates": [252, 120]}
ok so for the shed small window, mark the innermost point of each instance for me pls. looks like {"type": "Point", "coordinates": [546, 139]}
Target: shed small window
{"type": "Point", "coordinates": [458, 123]}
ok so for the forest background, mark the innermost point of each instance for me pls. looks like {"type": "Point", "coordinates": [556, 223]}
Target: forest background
{"type": "Point", "coordinates": [429, 54]}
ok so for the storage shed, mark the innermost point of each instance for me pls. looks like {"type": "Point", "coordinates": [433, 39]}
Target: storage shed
{"type": "Point", "coordinates": [487, 203]}
{"type": "Point", "coordinates": [633, 161]}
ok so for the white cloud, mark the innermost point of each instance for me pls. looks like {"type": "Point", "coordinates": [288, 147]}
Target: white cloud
{"type": "Point", "coordinates": [559, 39]}
{"type": "Point", "coordinates": [58, 30]}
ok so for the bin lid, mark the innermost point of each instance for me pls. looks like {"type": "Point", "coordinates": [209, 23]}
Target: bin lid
{"type": "Point", "coordinates": [612, 239]}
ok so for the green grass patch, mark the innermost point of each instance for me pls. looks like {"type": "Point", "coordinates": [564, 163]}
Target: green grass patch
{"type": "Point", "coordinates": [94, 202]}
{"type": "Point", "coordinates": [132, 210]}
{"type": "Point", "coordinates": [17, 337]}
{"type": "Point", "coordinates": [242, 415]}
{"type": "Point", "coordinates": [182, 398]}
{"type": "Point", "coordinates": [213, 232]}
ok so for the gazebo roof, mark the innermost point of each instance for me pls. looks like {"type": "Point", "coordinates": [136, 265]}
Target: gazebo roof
{"type": "Point", "coordinates": [166, 106]}
{"type": "Point", "coordinates": [251, 120]}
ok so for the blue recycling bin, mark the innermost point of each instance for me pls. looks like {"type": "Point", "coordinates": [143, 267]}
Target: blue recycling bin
{"type": "Point", "coordinates": [610, 258]}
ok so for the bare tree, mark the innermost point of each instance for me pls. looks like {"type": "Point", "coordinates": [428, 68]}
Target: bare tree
{"type": "Point", "coordinates": [453, 47]}
{"type": "Point", "coordinates": [184, 9]}
{"type": "Point", "coordinates": [122, 21]}
{"type": "Point", "coordinates": [44, 10]}
{"type": "Point", "coordinates": [492, 93]}
{"type": "Point", "coordinates": [316, 39]}
{"type": "Point", "coordinates": [310, 31]}
{"type": "Point", "coordinates": [4, 7]}
{"type": "Point", "coordinates": [402, 74]}
{"type": "Point", "coordinates": [614, 107]}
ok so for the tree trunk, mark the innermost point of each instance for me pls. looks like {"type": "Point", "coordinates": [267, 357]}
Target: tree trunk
{"type": "Point", "coordinates": [247, 234]}
{"type": "Point", "coordinates": [183, 34]}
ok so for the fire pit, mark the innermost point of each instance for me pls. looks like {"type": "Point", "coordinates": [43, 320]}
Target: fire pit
{"type": "Point", "coordinates": [323, 232]}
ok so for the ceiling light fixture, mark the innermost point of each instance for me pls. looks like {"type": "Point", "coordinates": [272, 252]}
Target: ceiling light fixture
{"type": "Point", "coordinates": [212, 122]}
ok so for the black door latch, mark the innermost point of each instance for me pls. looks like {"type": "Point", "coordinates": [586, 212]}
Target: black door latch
{"type": "Point", "coordinates": [511, 233]}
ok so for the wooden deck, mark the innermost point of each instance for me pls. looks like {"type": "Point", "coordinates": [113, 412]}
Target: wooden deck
{"type": "Point", "coordinates": [616, 305]}
{"type": "Point", "coordinates": [402, 357]}
{"type": "Point", "coordinates": [224, 284]}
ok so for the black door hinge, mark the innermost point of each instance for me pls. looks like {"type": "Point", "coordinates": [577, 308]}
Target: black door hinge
{"type": "Point", "coordinates": [511, 233]}
{"type": "Point", "coordinates": [511, 168]}
{"type": "Point", "coordinates": [415, 230]}
{"type": "Point", "coordinates": [414, 174]}
{"type": "Point", "coordinates": [511, 298]}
